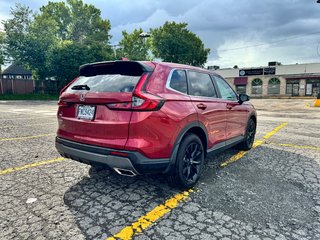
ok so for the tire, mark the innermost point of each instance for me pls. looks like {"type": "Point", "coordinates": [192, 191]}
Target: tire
{"type": "Point", "coordinates": [189, 163]}
{"type": "Point", "coordinates": [249, 136]}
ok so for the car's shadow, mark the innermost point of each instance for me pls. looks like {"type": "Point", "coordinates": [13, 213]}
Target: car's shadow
{"type": "Point", "coordinates": [105, 202]}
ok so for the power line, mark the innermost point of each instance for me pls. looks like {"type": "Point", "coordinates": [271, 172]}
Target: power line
{"type": "Point", "coordinates": [270, 43]}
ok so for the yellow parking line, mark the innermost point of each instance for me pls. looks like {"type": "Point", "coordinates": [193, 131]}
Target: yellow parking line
{"type": "Point", "coordinates": [36, 164]}
{"type": "Point", "coordinates": [159, 211]}
{"type": "Point", "coordinates": [152, 216]}
{"type": "Point", "coordinates": [295, 146]}
{"type": "Point", "coordinates": [270, 134]}
{"type": "Point", "coordinates": [24, 118]}
{"type": "Point", "coordinates": [307, 104]}
{"type": "Point", "coordinates": [27, 137]}
{"type": "Point", "coordinates": [27, 125]}
{"type": "Point", "coordinates": [256, 144]}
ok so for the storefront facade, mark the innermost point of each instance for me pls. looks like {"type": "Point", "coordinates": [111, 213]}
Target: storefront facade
{"type": "Point", "coordinates": [280, 80]}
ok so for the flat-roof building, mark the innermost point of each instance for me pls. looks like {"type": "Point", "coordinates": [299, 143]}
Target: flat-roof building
{"type": "Point", "coordinates": [275, 79]}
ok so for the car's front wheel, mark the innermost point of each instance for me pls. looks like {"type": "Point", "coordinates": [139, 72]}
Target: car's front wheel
{"type": "Point", "coordinates": [189, 162]}
{"type": "Point", "coordinates": [249, 136]}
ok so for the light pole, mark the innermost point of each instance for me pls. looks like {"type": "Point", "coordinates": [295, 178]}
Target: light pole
{"type": "Point", "coordinates": [144, 36]}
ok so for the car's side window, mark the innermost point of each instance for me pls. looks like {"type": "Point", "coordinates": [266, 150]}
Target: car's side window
{"type": "Point", "coordinates": [225, 90]}
{"type": "Point", "coordinates": [178, 81]}
{"type": "Point", "coordinates": [201, 85]}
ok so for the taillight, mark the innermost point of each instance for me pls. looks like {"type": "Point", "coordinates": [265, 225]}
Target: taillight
{"type": "Point", "coordinates": [141, 100]}
{"type": "Point", "coordinates": [146, 102]}
{"type": "Point", "coordinates": [63, 104]}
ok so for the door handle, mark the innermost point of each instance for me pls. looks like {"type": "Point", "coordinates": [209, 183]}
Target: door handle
{"type": "Point", "coordinates": [202, 106]}
{"type": "Point", "coordinates": [231, 105]}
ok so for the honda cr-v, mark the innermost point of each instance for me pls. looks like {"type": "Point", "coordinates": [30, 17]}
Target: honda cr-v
{"type": "Point", "coordinates": [147, 117]}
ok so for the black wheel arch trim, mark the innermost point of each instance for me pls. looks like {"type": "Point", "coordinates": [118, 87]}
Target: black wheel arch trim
{"type": "Point", "coordinates": [173, 156]}
{"type": "Point", "coordinates": [253, 114]}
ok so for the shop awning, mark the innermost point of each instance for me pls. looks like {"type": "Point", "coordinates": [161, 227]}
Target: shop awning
{"type": "Point", "coordinates": [240, 81]}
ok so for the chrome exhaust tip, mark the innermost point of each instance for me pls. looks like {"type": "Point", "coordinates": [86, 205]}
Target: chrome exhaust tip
{"type": "Point", "coordinates": [125, 172]}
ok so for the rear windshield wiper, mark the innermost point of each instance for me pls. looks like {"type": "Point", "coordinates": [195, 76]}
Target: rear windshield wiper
{"type": "Point", "coordinates": [80, 87]}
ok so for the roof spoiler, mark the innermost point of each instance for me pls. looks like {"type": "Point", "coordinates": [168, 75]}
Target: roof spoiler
{"type": "Point", "coordinates": [130, 68]}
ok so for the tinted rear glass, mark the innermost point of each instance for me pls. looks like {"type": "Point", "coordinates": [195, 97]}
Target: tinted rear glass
{"type": "Point", "coordinates": [107, 83]}
{"type": "Point", "coordinates": [179, 81]}
{"type": "Point", "coordinates": [201, 85]}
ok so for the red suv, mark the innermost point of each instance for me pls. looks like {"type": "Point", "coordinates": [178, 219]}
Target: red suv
{"type": "Point", "coordinates": [147, 117]}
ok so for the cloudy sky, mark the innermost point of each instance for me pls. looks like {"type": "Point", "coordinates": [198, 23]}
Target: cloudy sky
{"type": "Point", "coordinates": [238, 32]}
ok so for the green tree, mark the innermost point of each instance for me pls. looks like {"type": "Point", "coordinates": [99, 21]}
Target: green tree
{"type": "Point", "coordinates": [16, 30]}
{"type": "Point", "coordinates": [132, 46]}
{"type": "Point", "coordinates": [173, 42]}
{"type": "Point", "coordinates": [62, 36]}
{"type": "Point", "coordinates": [2, 51]}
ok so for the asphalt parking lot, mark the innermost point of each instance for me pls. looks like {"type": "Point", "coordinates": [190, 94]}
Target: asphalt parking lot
{"type": "Point", "coordinates": [270, 192]}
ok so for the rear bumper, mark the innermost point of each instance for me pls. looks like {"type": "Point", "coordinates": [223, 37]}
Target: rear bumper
{"type": "Point", "coordinates": [119, 160]}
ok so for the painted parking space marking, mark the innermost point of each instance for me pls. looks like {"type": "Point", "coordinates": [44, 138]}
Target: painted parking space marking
{"type": "Point", "coordinates": [36, 164]}
{"type": "Point", "coordinates": [44, 111]}
{"type": "Point", "coordinates": [274, 131]}
{"type": "Point", "coordinates": [26, 137]}
{"type": "Point", "coordinates": [294, 146]}
{"type": "Point", "coordinates": [152, 216]}
{"type": "Point", "coordinates": [256, 144]}
{"type": "Point", "coordinates": [21, 109]}
{"type": "Point", "coordinates": [50, 113]}
{"type": "Point", "coordinates": [145, 221]}
{"type": "Point", "coordinates": [27, 125]}
{"type": "Point", "coordinates": [23, 118]}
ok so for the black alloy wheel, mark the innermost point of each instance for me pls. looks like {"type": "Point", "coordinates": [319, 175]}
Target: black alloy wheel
{"type": "Point", "coordinates": [189, 162]}
{"type": "Point", "coordinates": [249, 136]}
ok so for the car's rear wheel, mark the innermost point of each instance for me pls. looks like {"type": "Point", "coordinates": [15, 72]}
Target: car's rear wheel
{"type": "Point", "coordinates": [249, 136]}
{"type": "Point", "coordinates": [189, 162]}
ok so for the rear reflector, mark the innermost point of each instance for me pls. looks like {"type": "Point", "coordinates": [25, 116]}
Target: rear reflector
{"type": "Point", "coordinates": [120, 154]}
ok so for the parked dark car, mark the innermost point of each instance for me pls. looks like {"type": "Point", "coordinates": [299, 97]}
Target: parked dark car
{"type": "Point", "coordinates": [147, 117]}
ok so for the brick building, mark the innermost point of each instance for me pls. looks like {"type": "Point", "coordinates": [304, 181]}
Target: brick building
{"type": "Point", "coordinates": [274, 80]}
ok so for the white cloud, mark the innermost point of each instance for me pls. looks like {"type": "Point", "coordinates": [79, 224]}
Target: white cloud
{"type": "Point", "coordinates": [221, 25]}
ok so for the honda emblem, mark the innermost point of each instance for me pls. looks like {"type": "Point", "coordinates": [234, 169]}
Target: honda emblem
{"type": "Point", "coordinates": [82, 97]}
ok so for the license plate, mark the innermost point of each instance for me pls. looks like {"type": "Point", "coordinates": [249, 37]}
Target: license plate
{"type": "Point", "coordinates": [86, 112]}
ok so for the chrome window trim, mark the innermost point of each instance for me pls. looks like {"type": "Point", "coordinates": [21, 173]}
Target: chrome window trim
{"type": "Point", "coordinates": [187, 77]}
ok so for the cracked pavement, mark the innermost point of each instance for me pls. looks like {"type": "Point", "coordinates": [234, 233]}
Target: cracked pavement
{"type": "Point", "coordinates": [273, 192]}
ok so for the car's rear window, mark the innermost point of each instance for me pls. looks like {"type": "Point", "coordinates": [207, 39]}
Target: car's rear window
{"type": "Point", "coordinates": [107, 83]}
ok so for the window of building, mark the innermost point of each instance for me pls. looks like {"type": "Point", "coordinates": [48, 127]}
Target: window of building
{"type": "Point", "coordinates": [4, 76]}
{"type": "Point", "coordinates": [292, 87]}
{"type": "Point", "coordinates": [241, 89]}
{"type": "Point", "coordinates": [19, 77]}
{"type": "Point", "coordinates": [256, 86]}
{"type": "Point", "coordinates": [225, 90]}
{"type": "Point", "coordinates": [201, 85]}
{"type": "Point", "coordinates": [178, 81]}
{"type": "Point", "coordinates": [274, 86]}
{"type": "Point", "coordinates": [313, 87]}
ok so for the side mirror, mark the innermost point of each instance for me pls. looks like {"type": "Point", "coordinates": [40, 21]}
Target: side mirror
{"type": "Point", "coordinates": [243, 98]}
